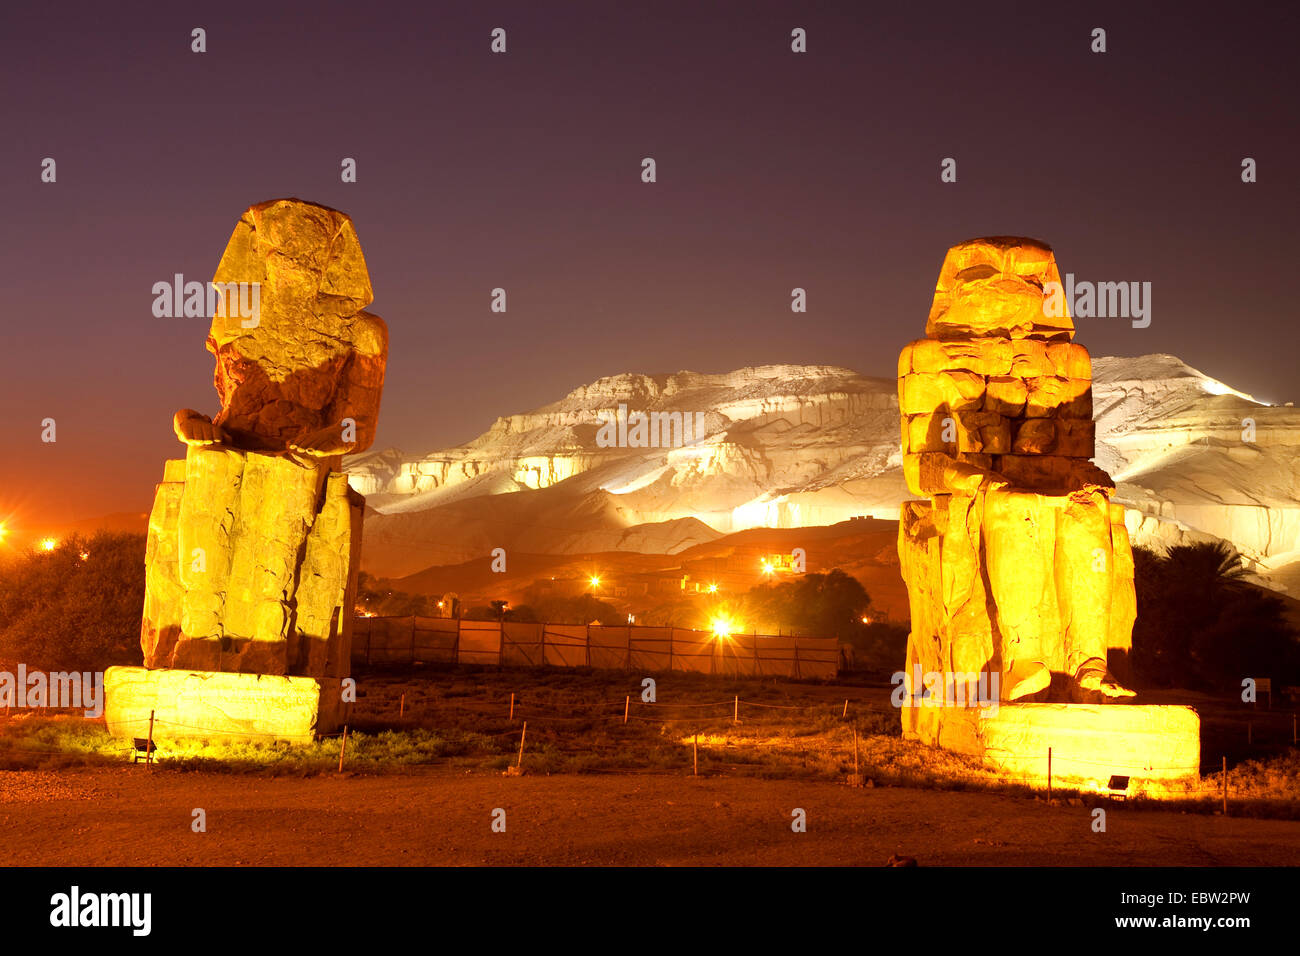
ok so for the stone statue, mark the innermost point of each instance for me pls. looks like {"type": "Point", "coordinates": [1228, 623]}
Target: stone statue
{"type": "Point", "coordinates": [254, 538]}
{"type": "Point", "coordinates": [1017, 564]}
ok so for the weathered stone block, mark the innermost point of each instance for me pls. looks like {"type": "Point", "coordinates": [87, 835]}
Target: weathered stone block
{"type": "Point", "coordinates": [1006, 395]}
{"type": "Point", "coordinates": [923, 393]}
{"type": "Point", "coordinates": [251, 566]}
{"type": "Point", "coordinates": [1156, 746]}
{"type": "Point", "coordinates": [1034, 436]}
{"type": "Point", "coordinates": [188, 704]}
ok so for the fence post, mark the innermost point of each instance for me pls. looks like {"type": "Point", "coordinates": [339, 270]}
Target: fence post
{"type": "Point", "coordinates": [846, 709]}
{"type": "Point", "coordinates": [1049, 774]}
{"type": "Point", "coordinates": [1225, 786]}
{"type": "Point", "coordinates": [343, 747]}
{"type": "Point", "coordinates": [695, 754]}
{"type": "Point", "coordinates": [401, 708]}
{"type": "Point", "coordinates": [735, 717]}
{"type": "Point", "coordinates": [796, 658]}
{"type": "Point", "coordinates": [522, 737]}
{"type": "Point", "coordinates": [148, 747]}
{"type": "Point", "coordinates": [627, 702]}
{"type": "Point", "coordinates": [512, 705]}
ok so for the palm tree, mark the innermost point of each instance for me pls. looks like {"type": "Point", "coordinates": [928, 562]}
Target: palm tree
{"type": "Point", "coordinates": [1201, 623]}
{"type": "Point", "coordinates": [1209, 567]}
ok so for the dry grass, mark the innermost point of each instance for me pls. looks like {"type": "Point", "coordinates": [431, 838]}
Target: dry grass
{"type": "Point", "coordinates": [460, 718]}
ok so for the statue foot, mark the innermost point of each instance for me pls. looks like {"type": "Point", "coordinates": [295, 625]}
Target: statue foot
{"type": "Point", "coordinates": [1025, 679]}
{"type": "Point", "coordinates": [1093, 684]}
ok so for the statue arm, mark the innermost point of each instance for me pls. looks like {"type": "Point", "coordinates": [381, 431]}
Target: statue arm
{"type": "Point", "coordinates": [355, 408]}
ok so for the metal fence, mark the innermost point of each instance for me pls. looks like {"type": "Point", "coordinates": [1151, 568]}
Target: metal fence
{"type": "Point", "coordinates": [391, 640]}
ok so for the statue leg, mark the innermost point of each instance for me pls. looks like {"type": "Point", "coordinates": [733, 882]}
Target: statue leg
{"type": "Point", "coordinates": [1019, 543]}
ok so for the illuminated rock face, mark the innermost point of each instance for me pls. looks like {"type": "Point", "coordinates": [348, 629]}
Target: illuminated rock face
{"type": "Point", "coordinates": [306, 373]}
{"type": "Point", "coordinates": [1018, 564]}
{"type": "Point", "coordinates": [251, 565]}
{"type": "Point", "coordinates": [182, 704]}
{"type": "Point", "coordinates": [254, 539]}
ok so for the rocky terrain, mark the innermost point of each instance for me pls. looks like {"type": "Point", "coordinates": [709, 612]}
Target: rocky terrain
{"type": "Point", "coordinates": [788, 446]}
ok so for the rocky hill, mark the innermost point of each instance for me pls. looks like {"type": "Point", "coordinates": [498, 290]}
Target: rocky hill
{"type": "Point", "coordinates": [787, 446]}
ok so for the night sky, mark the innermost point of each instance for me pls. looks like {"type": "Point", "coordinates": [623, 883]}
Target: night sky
{"type": "Point", "coordinates": [522, 170]}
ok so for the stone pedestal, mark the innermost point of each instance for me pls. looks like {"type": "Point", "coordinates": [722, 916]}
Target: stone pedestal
{"type": "Point", "coordinates": [251, 571]}
{"type": "Point", "coordinates": [1157, 747]}
{"type": "Point", "coordinates": [210, 705]}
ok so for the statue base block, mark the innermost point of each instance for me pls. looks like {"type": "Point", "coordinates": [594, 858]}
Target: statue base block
{"type": "Point", "coordinates": [214, 705]}
{"type": "Point", "coordinates": [1158, 747]}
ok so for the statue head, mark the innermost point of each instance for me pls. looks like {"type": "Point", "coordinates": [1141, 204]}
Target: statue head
{"type": "Point", "coordinates": [995, 287]}
{"type": "Point", "coordinates": [307, 264]}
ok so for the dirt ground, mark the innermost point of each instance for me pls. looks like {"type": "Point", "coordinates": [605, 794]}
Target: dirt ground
{"type": "Point", "coordinates": [131, 816]}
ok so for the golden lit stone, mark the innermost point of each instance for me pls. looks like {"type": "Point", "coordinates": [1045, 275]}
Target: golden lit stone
{"type": "Point", "coordinates": [254, 538]}
{"type": "Point", "coordinates": [995, 286]}
{"type": "Point", "coordinates": [1018, 568]}
{"type": "Point", "coordinates": [243, 708]}
{"type": "Point", "coordinates": [1026, 513]}
{"type": "Point", "coordinates": [1158, 747]}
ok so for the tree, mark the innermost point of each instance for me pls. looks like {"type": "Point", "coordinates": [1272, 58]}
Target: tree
{"type": "Point", "coordinates": [820, 605]}
{"type": "Point", "coordinates": [77, 607]}
{"type": "Point", "coordinates": [1201, 624]}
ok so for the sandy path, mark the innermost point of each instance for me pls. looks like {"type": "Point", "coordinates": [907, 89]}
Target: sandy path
{"type": "Point", "coordinates": [131, 817]}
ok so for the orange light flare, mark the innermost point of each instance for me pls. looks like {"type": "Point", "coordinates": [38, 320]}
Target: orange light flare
{"type": "Point", "coordinates": [713, 589]}
{"type": "Point", "coordinates": [722, 627]}
{"type": "Point", "coordinates": [767, 568]}
{"type": "Point", "coordinates": [48, 544]}
{"type": "Point", "coordinates": [594, 580]}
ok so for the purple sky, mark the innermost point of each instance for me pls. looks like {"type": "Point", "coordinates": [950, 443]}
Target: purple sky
{"type": "Point", "coordinates": [522, 170]}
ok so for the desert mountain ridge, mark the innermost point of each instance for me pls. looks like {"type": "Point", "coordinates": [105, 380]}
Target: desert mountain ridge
{"type": "Point", "coordinates": [786, 446]}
